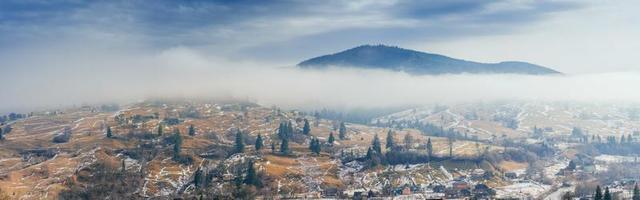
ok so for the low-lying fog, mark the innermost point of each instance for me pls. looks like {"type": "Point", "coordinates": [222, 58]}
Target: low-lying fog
{"type": "Point", "coordinates": [62, 77]}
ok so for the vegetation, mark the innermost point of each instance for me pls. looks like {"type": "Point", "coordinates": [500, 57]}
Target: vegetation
{"type": "Point", "coordinates": [284, 146]}
{"type": "Point", "coordinates": [598, 194]}
{"type": "Point", "coordinates": [252, 177]}
{"type": "Point", "coordinates": [315, 146]}
{"type": "Point", "coordinates": [331, 138]}
{"type": "Point", "coordinates": [375, 144]}
{"type": "Point", "coordinates": [239, 143]}
{"type": "Point", "coordinates": [259, 143]}
{"type": "Point", "coordinates": [342, 131]}
{"type": "Point", "coordinates": [109, 134]}
{"type": "Point", "coordinates": [100, 181]}
{"type": "Point", "coordinates": [429, 148]}
{"type": "Point", "coordinates": [192, 130]}
{"type": "Point", "coordinates": [177, 146]}
{"type": "Point", "coordinates": [390, 143]}
{"type": "Point", "coordinates": [160, 130]}
{"type": "Point", "coordinates": [306, 130]}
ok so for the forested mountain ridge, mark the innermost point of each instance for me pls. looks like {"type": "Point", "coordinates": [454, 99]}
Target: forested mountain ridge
{"type": "Point", "coordinates": [417, 63]}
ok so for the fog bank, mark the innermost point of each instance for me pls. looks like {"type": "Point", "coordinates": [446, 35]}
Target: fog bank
{"type": "Point", "coordinates": [61, 77]}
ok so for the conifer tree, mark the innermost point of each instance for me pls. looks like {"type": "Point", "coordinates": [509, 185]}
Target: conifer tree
{"type": "Point", "coordinates": [429, 148]}
{"type": "Point", "coordinates": [314, 145]}
{"type": "Point", "coordinates": [239, 143]}
{"type": "Point", "coordinates": [369, 153]}
{"type": "Point", "coordinates": [390, 143]}
{"type": "Point", "coordinates": [289, 129]}
{"type": "Point", "coordinates": [331, 138]}
{"type": "Point", "coordinates": [258, 144]}
{"type": "Point", "coordinates": [598, 195]}
{"type": "Point", "coordinates": [375, 145]}
{"type": "Point", "coordinates": [342, 131]}
{"type": "Point", "coordinates": [252, 177]}
{"type": "Point", "coordinates": [160, 130]}
{"type": "Point", "coordinates": [284, 146]}
{"type": "Point", "coordinates": [306, 129]}
{"type": "Point", "coordinates": [109, 134]}
{"type": "Point", "coordinates": [450, 142]}
{"type": "Point", "coordinates": [408, 140]}
{"type": "Point", "coordinates": [177, 146]}
{"type": "Point", "coordinates": [124, 167]}
{"type": "Point", "coordinates": [281, 130]}
{"type": "Point", "coordinates": [192, 130]}
{"type": "Point", "coordinates": [607, 194]}
{"type": "Point", "coordinates": [197, 178]}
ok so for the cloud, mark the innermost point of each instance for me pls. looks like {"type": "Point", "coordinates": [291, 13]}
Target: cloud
{"type": "Point", "coordinates": [243, 29]}
{"type": "Point", "coordinates": [54, 79]}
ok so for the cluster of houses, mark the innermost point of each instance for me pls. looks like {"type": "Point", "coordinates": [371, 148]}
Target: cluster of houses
{"type": "Point", "coordinates": [466, 186]}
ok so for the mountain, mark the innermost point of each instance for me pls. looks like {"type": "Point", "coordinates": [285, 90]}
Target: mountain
{"type": "Point", "coordinates": [417, 63]}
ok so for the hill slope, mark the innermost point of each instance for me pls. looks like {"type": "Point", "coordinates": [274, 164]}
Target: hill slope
{"type": "Point", "coordinates": [417, 63]}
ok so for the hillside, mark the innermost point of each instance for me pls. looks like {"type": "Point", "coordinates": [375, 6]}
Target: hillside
{"type": "Point", "coordinates": [138, 161]}
{"type": "Point", "coordinates": [417, 63]}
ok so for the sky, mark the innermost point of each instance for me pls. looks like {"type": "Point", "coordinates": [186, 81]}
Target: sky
{"type": "Point", "coordinates": [72, 51]}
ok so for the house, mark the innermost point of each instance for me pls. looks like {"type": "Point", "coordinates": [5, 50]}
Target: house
{"type": "Point", "coordinates": [330, 192]}
{"type": "Point", "coordinates": [439, 188]}
{"type": "Point", "coordinates": [461, 185]}
{"type": "Point", "coordinates": [511, 175]}
{"type": "Point", "coordinates": [482, 191]}
{"type": "Point", "coordinates": [406, 191]}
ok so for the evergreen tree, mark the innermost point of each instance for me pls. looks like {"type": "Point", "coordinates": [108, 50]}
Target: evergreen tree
{"type": "Point", "coordinates": [160, 130]}
{"type": "Point", "coordinates": [177, 146]}
{"type": "Point", "coordinates": [192, 130]}
{"type": "Point", "coordinates": [408, 140]}
{"type": "Point", "coordinates": [607, 194]}
{"type": "Point", "coordinates": [375, 144]}
{"type": "Point", "coordinates": [390, 143]}
{"type": "Point", "coordinates": [1, 134]}
{"type": "Point", "coordinates": [306, 129]}
{"type": "Point", "coordinates": [450, 139]}
{"type": "Point", "coordinates": [109, 134]}
{"type": "Point", "coordinates": [571, 166]}
{"type": "Point", "coordinates": [284, 146]}
{"type": "Point", "coordinates": [318, 146]}
{"type": "Point", "coordinates": [252, 177]}
{"type": "Point", "coordinates": [369, 153]}
{"type": "Point", "coordinates": [636, 193]}
{"type": "Point", "coordinates": [314, 145]}
{"type": "Point", "coordinates": [598, 195]}
{"type": "Point", "coordinates": [258, 144]}
{"type": "Point", "coordinates": [429, 148]}
{"type": "Point", "coordinates": [289, 130]}
{"type": "Point", "coordinates": [124, 167]}
{"type": "Point", "coordinates": [197, 178]}
{"type": "Point", "coordinates": [342, 131]}
{"type": "Point", "coordinates": [281, 130]}
{"type": "Point", "coordinates": [239, 143]}
{"type": "Point", "coordinates": [331, 138]}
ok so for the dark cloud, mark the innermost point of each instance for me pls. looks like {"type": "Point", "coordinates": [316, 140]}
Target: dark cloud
{"type": "Point", "coordinates": [167, 23]}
